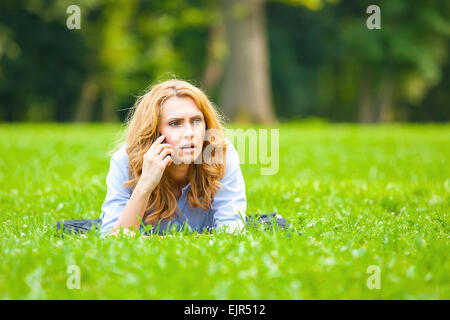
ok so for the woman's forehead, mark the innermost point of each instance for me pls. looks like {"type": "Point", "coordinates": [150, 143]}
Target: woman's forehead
{"type": "Point", "coordinates": [179, 107]}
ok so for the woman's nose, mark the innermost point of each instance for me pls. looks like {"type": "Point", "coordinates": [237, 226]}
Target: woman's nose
{"type": "Point", "coordinates": [189, 130]}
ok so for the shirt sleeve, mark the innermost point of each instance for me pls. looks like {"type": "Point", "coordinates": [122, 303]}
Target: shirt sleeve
{"type": "Point", "coordinates": [230, 204]}
{"type": "Point", "coordinates": [117, 195]}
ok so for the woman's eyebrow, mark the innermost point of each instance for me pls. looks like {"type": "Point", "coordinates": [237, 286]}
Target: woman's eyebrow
{"type": "Point", "coordinates": [195, 116]}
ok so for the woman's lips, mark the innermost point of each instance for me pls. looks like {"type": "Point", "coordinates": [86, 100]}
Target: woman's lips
{"type": "Point", "coordinates": [188, 149]}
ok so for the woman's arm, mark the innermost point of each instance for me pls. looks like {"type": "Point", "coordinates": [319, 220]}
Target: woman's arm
{"type": "Point", "coordinates": [134, 210]}
{"type": "Point", "coordinates": [155, 161]}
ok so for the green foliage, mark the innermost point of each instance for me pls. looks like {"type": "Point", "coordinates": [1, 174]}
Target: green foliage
{"type": "Point", "coordinates": [360, 195]}
{"type": "Point", "coordinates": [323, 59]}
{"type": "Point", "coordinates": [328, 59]}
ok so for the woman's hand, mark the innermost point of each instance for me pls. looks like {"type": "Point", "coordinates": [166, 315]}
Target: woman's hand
{"type": "Point", "coordinates": [156, 159]}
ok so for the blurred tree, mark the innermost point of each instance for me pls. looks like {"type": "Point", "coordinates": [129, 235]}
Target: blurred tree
{"type": "Point", "coordinates": [398, 63]}
{"type": "Point", "coordinates": [134, 43]}
{"type": "Point", "coordinates": [247, 94]}
{"type": "Point", "coordinates": [323, 62]}
{"type": "Point", "coordinates": [338, 69]}
{"type": "Point", "coordinates": [39, 75]}
{"type": "Point", "coordinates": [434, 106]}
{"type": "Point", "coordinates": [216, 48]}
{"type": "Point", "coordinates": [92, 26]}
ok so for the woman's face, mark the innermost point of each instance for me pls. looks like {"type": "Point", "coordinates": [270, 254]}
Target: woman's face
{"type": "Point", "coordinates": [183, 124]}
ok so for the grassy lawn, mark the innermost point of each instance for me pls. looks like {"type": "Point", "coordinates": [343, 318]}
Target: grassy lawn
{"type": "Point", "coordinates": [360, 195]}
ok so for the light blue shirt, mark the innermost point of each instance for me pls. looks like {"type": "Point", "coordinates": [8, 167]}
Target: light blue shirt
{"type": "Point", "coordinates": [227, 207]}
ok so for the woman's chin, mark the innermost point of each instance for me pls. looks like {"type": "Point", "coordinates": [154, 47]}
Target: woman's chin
{"type": "Point", "coordinates": [187, 159]}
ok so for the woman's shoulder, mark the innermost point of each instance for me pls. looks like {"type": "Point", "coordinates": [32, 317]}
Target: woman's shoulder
{"type": "Point", "coordinates": [120, 155]}
{"type": "Point", "coordinates": [232, 156]}
{"type": "Point", "coordinates": [230, 147]}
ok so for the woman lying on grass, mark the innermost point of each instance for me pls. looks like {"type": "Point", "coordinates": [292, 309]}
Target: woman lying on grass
{"type": "Point", "coordinates": [175, 167]}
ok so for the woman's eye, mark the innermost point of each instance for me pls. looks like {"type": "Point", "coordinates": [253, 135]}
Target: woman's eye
{"type": "Point", "coordinates": [173, 123]}
{"type": "Point", "coordinates": [198, 120]}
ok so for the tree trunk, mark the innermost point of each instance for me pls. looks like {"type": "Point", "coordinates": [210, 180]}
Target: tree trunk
{"type": "Point", "coordinates": [246, 93]}
{"type": "Point", "coordinates": [215, 47]}
{"type": "Point", "coordinates": [386, 113]}
{"type": "Point", "coordinates": [89, 94]}
{"type": "Point", "coordinates": [109, 112]}
{"type": "Point", "coordinates": [366, 112]}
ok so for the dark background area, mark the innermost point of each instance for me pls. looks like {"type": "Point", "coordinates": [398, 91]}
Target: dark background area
{"type": "Point", "coordinates": [322, 60]}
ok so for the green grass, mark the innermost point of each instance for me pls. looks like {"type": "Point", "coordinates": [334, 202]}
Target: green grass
{"type": "Point", "coordinates": [361, 196]}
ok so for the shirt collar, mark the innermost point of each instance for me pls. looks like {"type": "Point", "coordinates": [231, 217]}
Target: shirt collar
{"type": "Point", "coordinates": [185, 187]}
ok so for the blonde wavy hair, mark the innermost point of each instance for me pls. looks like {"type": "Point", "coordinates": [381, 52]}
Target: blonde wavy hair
{"type": "Point", "coordinates": [142, 129]}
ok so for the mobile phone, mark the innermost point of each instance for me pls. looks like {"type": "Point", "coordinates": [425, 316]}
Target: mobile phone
{"type": "Point", "coordinates": [164, 141]}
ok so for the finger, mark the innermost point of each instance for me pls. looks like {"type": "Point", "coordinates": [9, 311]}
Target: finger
{"type": "Point", "coordinates": [156, 142]}
{"type": "Point", "coordinates": [167, 161]}
{"type": "Point", "coordinates": [164, 153]}
{"type": "Point", "coordinates": [162, 147]}
{"type": "Point", "coordinates": [160, 138]}
{"type": "Point", "coordinates": [156, 149]}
